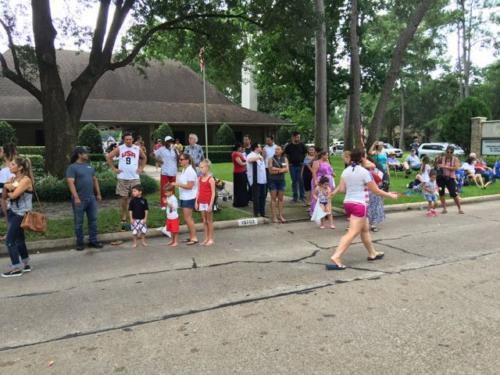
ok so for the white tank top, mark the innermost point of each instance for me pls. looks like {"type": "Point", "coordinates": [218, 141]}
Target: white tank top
{"type": "Point", "coordinates": [128, 162]}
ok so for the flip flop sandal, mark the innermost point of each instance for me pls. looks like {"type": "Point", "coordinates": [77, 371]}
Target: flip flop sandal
{"type": "Point", "coordinates": [334, 267]}
{"type": "Point", "coordinates": [377, 257]}
{"type": "Point", "coordinates": [116, 243]}
{"type": "Point", "coordinates": [191, 242]}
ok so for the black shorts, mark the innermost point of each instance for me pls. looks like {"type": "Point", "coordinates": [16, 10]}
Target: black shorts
{"type": "Point", "coordinates": [445, 182]}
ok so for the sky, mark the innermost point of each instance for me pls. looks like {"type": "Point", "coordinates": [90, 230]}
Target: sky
{"type": "Point", "coordinates": [480, 56]}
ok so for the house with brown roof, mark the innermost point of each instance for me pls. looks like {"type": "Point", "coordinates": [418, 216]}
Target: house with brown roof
{"type": "Point", "coordinates": [127, 99]}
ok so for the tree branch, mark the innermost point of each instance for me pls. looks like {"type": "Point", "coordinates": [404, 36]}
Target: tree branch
{"type": "Point", "coordinates": [170, 25]}
{"type": "Point", "coordinates": [12, 48]}
{"type": "Point", "coordinates": [19, 80]}
{"type": "Point", "coordinates": [99, 32]}
{"type": "Point", "coordinates": [117, 23]}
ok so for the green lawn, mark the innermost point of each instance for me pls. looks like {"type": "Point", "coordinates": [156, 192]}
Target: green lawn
{"type": "Point", "coordinates": [109, 220]}
{"type": "Point", "coordinates": [398, 183]}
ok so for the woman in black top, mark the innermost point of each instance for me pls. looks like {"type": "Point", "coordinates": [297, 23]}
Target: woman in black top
{"type": "Point", "coordinates": [277, 166]}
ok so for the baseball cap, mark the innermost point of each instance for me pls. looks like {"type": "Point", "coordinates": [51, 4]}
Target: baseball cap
{"type": "Point", "coordinates": [80, 150]}
{"type": "Point", "coordinates": [168, 138]}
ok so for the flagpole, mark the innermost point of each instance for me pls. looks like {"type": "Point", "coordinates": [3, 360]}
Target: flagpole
{"type": "Point", "coordinates": [205, 111]}
{"type": "Point", "coordinates": [201, 58]}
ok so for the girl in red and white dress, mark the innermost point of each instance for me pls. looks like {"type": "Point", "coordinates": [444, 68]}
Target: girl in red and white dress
{"type": "Point", "coordinates": [205, 201]}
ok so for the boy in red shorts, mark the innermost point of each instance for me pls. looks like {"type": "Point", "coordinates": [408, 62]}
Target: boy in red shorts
{"type": "Point", "coordinates": [172, 215]}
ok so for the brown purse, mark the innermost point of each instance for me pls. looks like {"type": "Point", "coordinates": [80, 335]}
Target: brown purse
{"type": "Point", "coordinates": [35, 221]}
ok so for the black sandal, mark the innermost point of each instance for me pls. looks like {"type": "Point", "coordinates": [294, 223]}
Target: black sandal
{"type": "Point", "coordinates": [192, 242]}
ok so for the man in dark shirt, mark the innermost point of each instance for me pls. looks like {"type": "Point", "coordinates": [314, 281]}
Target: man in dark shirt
{"type": "Point", "coordinates": [85, 193]}
{"type": "Point", "coordinates": [295, 152]}
{"type": "Point", "coordinates": [247, 144]}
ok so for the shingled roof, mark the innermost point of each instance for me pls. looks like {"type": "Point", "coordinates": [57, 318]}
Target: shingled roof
{"type": "Point", "coordinates": [168, 92]}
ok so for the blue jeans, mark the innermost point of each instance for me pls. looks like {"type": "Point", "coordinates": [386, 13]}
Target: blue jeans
{"type": "Point", "coordinates": [298, 191]}
{"type": "Point", "coordinates": [89, 206]}
{"type": "Point", "coordinates": [15, 241]}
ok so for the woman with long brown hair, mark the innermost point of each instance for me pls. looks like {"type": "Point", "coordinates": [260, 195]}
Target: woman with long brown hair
{"type": "Point", "coordinates": [19, 191]}
{"type": "Point", "coordinates": [355, 182]}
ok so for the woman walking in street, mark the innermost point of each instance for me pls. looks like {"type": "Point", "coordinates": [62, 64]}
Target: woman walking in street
{"type": "Point", "coordinates": [447, 179]}
{"type": "Point", "coordinates": [278, 166]}
{"type": "Point", "coordinates": [355, 182]}
{"type": "Point", "coordinates": [188, 189]}
{"type": "Point", "coordinates": [19, 191]}
{"type": "Point", "coordinates": [240, 182]}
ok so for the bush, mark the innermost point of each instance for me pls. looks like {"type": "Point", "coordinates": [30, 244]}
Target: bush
{"type": "Point", "coordinates": [37, 164]}
{"type": "Point", "coordinates": [457, 124]}
{"type": "Point", "coordinates": [284, 134]}
{"type": "Point", "coordinates": [97, 157]}
{"type": "Point", "coordinates": [31, 150]}
{"type": "Point", "coordinates": [162, 131]}
{"type": "Point", "coordinates": [224, 135]}
{"type": "Point", "coordinates": [7, 133]}
{"type": "Point", "coordinates": [52, 189]}
{"type": "Point", "coordinates": [90, 137]}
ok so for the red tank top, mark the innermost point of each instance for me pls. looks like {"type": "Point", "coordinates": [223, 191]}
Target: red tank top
{"type": "Point", "coordinates": [205, 190]}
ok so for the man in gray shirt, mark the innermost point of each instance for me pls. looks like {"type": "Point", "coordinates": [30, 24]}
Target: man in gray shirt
{"type": "Point", "coordinates": [85, 193]}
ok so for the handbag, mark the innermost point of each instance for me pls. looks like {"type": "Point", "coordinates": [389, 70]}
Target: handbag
{"type": "Point", "coordinates": [35, 221]}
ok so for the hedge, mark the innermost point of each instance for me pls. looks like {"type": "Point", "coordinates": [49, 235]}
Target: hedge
{"type": "Point", "coordinates": [219, 156]}
{"type": "Point", "coordinates": [90, 137]}
{"type": "Point", "coordinates": [52, 189]}
{"type": "Point", "coordinates": [31, 150]}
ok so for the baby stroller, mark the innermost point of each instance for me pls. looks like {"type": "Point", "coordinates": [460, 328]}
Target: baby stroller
{"type": "Point", "coordinates": [221, 194]}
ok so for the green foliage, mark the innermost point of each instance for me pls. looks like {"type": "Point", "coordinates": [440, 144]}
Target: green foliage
{"type": "Point", "coordinates": [162, 131]}
{"type": "Point", "coordinates": [52, 189]}
{"type": "Point", "coordinates": [31, 150]}
{"type": "Point", "coordinates": [489, 90]}
{"type": "Point", "coordinates": [456, 128]}
{"type": "Point", "coordinates": [224, 135]}
{"type": "Point", "coordinates": [284, 134]}
{"type": "Point", "coordinates": [7, 133]}
{"type": "Point", "coordinates": [37, 164]}
{"type": "Point", "coordinates": [90, 137]}
{"type": "Point", "coordinates": [303, 118]}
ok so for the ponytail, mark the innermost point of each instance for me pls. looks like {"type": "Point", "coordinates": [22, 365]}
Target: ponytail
{"type": "Point", "coordinates": [25, 163]}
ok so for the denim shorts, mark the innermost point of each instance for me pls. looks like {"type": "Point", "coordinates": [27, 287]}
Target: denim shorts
{"type": "Point", "coordinates": [188, 203]}
{"type": "Point", "coordinates": [276, 185]}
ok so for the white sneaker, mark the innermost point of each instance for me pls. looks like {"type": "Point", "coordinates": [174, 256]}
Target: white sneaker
{"type": "Point", "coordinates": [166, 232]}
{"type": "Point", "coordinates": [163, 208]}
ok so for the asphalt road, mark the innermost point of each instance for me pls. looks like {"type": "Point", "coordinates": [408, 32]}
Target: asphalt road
{"type": "Point", "coordinates": [260, 302]}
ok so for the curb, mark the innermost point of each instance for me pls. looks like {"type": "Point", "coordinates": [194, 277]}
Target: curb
{"type": "Point", "coordinates": [43, 246]}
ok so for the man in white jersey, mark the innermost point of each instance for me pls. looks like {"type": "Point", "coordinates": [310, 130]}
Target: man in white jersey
{"type": "Point", "coordinates": [131, 163]}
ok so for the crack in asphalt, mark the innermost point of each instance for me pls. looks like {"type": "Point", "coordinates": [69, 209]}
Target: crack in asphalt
{"type": "Point", "coordinates": [381, 242]}
{"type": "Point", "coordinates": [375, 275]}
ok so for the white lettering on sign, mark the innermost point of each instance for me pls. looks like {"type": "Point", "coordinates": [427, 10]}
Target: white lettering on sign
{"type": "Point", "coordinates": [248, 222]}
{"type": "Point", "coordinates": [490, 146]}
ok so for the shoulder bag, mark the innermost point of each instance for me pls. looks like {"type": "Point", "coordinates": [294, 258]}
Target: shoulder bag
{"type": "Point", "coordinates": [35, 221]}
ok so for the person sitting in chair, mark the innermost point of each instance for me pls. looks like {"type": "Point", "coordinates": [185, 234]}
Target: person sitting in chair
{"type": "Point", "coordinates": [470, 172]}
{"type": "Point", "coordinates": [394, 163]}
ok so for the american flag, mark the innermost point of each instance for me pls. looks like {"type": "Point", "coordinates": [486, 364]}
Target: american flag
{"type": "Point", "coordinates": [201, 58]}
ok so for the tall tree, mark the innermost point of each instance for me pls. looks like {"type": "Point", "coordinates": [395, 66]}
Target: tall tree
{"type": "Point", "coordinates": [354, 135]}
{"type": "Point", "coordinates": [398, 54]}
{"type": "Point", "coordinates": [321, 112]}
{"type": "Point", "coordinates": [61, 113]}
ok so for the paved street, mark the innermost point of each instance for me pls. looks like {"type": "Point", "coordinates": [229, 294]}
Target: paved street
{"type": "Point", "coordinates": [260, 302]}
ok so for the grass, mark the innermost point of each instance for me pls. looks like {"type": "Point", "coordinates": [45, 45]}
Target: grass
{"type": "Point", "coordinates": [109, 220]}
{"type": "Point", "coordinates": [398, 183]}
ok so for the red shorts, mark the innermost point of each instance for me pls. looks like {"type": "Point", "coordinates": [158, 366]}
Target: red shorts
{"type": "Point", "coordinates": [173, 225]}
{"type": "Point", "coordinates": [359, 210]}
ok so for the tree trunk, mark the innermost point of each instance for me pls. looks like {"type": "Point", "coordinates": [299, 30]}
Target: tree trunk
{"type": "Point", "coordinates": [355, 97]}
{"type": "Point", "coordinates": [58, 127]}
{"type": "Point", "coordinates": [402, 119]}
{"type": "Point", "coordinates": [348, 141]}
{"type": "Point", "coordinates": [321, 113]}
{"type": "Point", "coordinates": [396, 61]}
